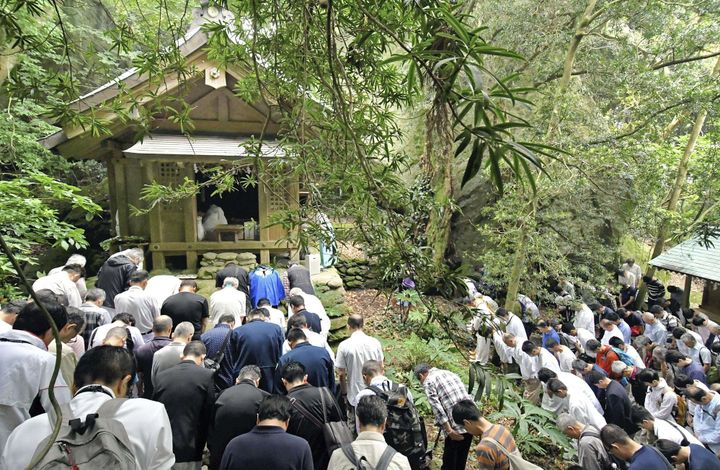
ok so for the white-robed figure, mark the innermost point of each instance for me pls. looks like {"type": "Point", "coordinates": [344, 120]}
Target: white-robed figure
{"type": "Point", "coordinates": [328, 246]}
{"type": "Point", "coordinates": [576, 404]}
{"type": "Point", "coordinates": [80, 283]}
{"type": "Point", "coordinates": [213, 217]}
{"type": "Point", "coordinates": [485, 325]}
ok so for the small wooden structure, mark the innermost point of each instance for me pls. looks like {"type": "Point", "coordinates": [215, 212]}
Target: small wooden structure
{"type": "Point", "coordinates": [222, 124]}
{"type": "Point", "coordinates": [696, 260]}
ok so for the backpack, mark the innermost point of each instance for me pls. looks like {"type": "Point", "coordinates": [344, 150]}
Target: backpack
{"type": "Point", "coordinates": [363, 464]}
{"type": "Point", "coordinates": [516, 460]}
{"type": "Point", "coordinates": [404, 430]}
{"type": "Point", "coordinates": [624, 357]}
{"type": "Point", "coordinates": [679, 411]}
{"type": "Point", "coordinates": [99, 442]}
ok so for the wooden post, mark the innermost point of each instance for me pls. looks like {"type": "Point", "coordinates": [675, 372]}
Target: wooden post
{"type": "Point", "coordinates": [190, 211]}
{"type": "Point", "coordinates": [158, 258]}
{"type": "Point", "coordinates": [686, 293]}
{"type": "Point", "coordinates": [121, 199]}
{"type": "Point", "coordinates": [263, 218]}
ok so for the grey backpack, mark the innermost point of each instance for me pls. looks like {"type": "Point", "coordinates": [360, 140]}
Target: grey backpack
{"type": "Point", "coordinates": [99, 442]}
{"type": "Point", "coordinates": [516, 460]}
{"type": "Point", "coordinates": [363, 464]}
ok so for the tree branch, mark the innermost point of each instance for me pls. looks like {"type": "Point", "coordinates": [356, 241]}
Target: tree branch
{"type": "Point", "coordinates": [684, 61]}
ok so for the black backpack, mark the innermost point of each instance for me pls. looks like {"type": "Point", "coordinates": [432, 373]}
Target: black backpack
{"type": "Point", "coordinates": [404, 430]}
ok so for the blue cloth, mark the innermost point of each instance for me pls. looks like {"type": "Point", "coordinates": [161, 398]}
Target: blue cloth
{"type": "Point", "coordinates": [702, 459]}
{"type": "Point", "coordinates": [625, 330]}
{"type": "Point", "coordinates": [213, 340]}
{"type": "Point", "coordinates": [695, 371]}
{"type": "Point", "coordinates": [313, 320]}
{"type": "Point", "coordinates": [647, 458]}
{"type": "Point", "coordinates": [318, 364]}
{"type": "Point", "coordinates": [552, 334]}
{"type": "Point", "coordinates": [266, 283]}
{"type": "Point", "coordinates": [258, 343]}
{"type": "Point", "coordinates": [267, 447]}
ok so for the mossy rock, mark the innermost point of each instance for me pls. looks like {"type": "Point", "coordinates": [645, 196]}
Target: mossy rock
{"type": "Point", "coordinates": [339, 310]}
{"type": "Point", "coordinates": [335, 283]}
{"type": "Point", "coordinates": [331, 298]}
{"type": "Point", "coordinates": [338, 323]}
{"type": "Point", "coordinates": [206, 273]}
{"type": "Point", "coordinates": [159, 272]}
{"type": "Point", "coordinates": [321, 289]}
{"type": "Point", "coordinates": [337, 336]}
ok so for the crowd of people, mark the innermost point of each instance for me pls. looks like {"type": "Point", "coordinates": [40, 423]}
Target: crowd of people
{"type": "Point", "coordinates": [634, 388]}
{"type": "Point", "coordinates": [178, 381]}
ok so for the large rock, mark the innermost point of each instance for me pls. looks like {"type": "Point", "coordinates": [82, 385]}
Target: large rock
{"type": "Point", "coordinates": [338, 311]}
{"type": "Point", "coordinates": [338, 323]}
{"type": "Point", "coordinates": [206, 273]}
{"type": "Point", "coordinates": [331, 298]}
{"type": "Point", "coordinates": [337, 336]}
{"type": "Point", "coordinates": [246, 258]}
{"type": "Point", "coordinates": [227, 256]}
{"type": "Point", "coordinates": [209, 256]}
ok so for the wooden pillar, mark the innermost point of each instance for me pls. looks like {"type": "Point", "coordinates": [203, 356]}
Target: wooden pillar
{"type": "Point", "coordinates": [112, 189]}
{"type": "Point", "coordinates": [686, 293]}
{"type": "Point", "coordinates": [121, 199]}
{"type": "Point", "coordinates": [158, 258]}
{"type": "Point", "coordinates": [190, 212]}
{"type": "Point", "coordinates": [263, 218]}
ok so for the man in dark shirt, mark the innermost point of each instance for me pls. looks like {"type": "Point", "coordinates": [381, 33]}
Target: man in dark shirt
{"type": "Point", "coordinates": [627, 297]}
{"type": "Point", "coordinates": [188, 391]}
{"type": "Point", "coordinates": [299, 276]}
{"type": "Point", "coordinates": [655, 291]}
{"type": "Point", "coordinates": [186, 305]}
{"type": "Point", "coordinates": [297, 304]}
{"type": "Point", "coordinates": [233, 270]}
{"type": "Point", "coordinates": [640, 457]}
{"type": "Point", "coordinates": [316, 361]}
{"type": "Point", "coordinates": [615, 402]}
{"type": "Point", "coordinates": [234, 413]}
{"type": "Point", "coordinates": [268, 446]}
{"type": "Point", "coordinates": [306, 411]}
{"type": "Point", "coordinates": [213, 340]}
{"type": "Point", "coordinates": [259, 343]}
{"type": "Point", "coordinates": [694, 457]}
{"type": "Point", "coordinates": [162, 327]}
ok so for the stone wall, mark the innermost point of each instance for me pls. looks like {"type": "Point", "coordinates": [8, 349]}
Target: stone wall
{"type": "Point", "coordinates": [356, 273]}
{"type": "Point", "coordinates": [329, 289]}
{"type": "Point", "coordinates": [211, 263]}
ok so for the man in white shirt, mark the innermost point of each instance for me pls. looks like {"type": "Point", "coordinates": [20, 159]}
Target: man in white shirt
{"type": "Point", "coordinates": [142, 306]}
{"type": "Point", "coordinates": [314, 305]}
{"type": "Point", "coordinates": [63, 283]}
{"type": "Point", "coordinates": [161, 287]}
{"type": "Point", "coordinates": [563, 354]}
{"type": "Point", "coordinates": [513, 324]}
{"type": "Point", "coordinates": [577, 404]}
{"type": "Point", "coordinates": [122, 320]}
{"type": "Point", "coordinates": [80, 261]}
{"type": "Point", "coordinates": [315, 339]}
{"type": "Point", "coordinates": [573, 382]}
{"type": "Point", "coordinates": [26, 367]}
{"type": "Point", "coordinates": [633, 268]}
{"type": "Point", "coordinates": [660, 399]}
{"type": "Point", "coordinates": [103, 374]}
{"type": "Point", "coordinates": [584, 318]}
{"type": "Point", "coordinates": [611, 331]}
{"type": "Point", "coordinates": [228, 301]}
{"type": "Point", "coordinates": [9, 313]}
{"type": "Point", "coordinates": [691, 347]}
{"type": "Point", "coordinates": [654, 330]}
{"type": "Point", "coordinates": [351, 355]}
{"type": "Point", "coordinates": [662, 429]}
{"type": "Point", "coordinates": [276, 316]}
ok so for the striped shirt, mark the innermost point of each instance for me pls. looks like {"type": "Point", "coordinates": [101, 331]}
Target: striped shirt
{"type": "Point", "coordinates": [489, 456]}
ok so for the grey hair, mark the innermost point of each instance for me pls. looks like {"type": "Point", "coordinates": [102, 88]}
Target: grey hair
{"type": "Point", "coordinates": [507, 336]}
{"type": "Point", "coordinates": [618, 367]}
{"type": "Point", "coordinates": [135, 253]}
{"type": "Point", "coordinates": [565, 420]}
{"type": "Point", "coordinates": [95, 294]}
{"type": "Point", "coordinates": [642, 341]}
{"type": "Point", "coordinates": [296, 291]}
{"type": "Point", "coordinates": [250, 372]}
{"type": "Point", "coordinates": [687, 337]}
{"type": "Point", "coordinates": [183, 330]}
{"type": "Point", "coordinates": [579, 364]}
{"type": "Point", "coordinates": [231, 282]}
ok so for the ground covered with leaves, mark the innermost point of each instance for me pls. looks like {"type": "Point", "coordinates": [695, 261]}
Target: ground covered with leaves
{"type": "Point", "coordinates": [414, 341]}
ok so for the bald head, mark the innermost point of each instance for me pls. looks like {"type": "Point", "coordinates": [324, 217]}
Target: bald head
{"type": "Point", "coordinates": [162, 326]}
{"type": "Point", "coordinates": [355, 321]}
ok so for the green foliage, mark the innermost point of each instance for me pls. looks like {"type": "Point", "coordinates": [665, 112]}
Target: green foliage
{"type": "Point", "coordinates": [533, 428]}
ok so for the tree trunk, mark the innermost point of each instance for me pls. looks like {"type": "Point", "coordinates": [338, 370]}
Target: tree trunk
{"type": "Point", "coordinates": [580, 30]}
{"type": "Point", "coordinates": [678, 186]}
{"type": "Point", "coordinates": [437, 166]}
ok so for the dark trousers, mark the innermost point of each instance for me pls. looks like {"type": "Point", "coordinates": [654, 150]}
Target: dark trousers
{"type": "Point", "coordinates": [455, 453]}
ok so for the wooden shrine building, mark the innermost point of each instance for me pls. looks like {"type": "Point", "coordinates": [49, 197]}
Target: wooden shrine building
{"type": "Point", "coordinates": [222, 124]}
{"type": "Point", "coordinates": [696, 260]}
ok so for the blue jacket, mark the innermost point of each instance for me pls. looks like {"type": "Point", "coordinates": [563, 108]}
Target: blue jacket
{"type": "Point", "coordinates": [213, 340]}
{"type": "Point", "coordinates": [550, 334]}
{"type": "Point", "coordinates": [258, 343]}
{"type": "Point", "coordinates": [318, 364]}
{"type": "Point", "coordinates": [267, 447]}
{"type": "Point", "coordinates": [266, 283]}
